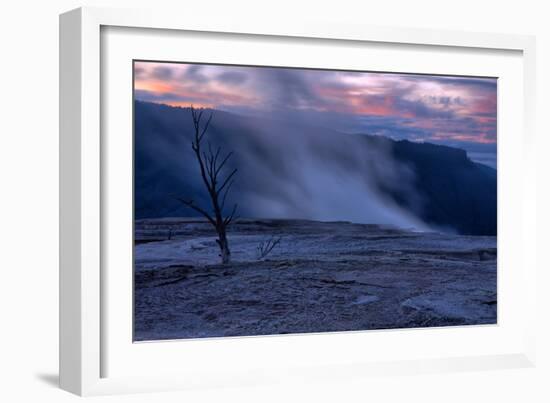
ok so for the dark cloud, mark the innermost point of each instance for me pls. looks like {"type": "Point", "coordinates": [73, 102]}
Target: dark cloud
{"type": "Point", "coordinates": [232, 77]}
{"type": "Point", "coordinates": [446, 101]}
{"type": "Point", "coordinates": [162, 73]}
{"type": "Point", "coordinates": [482, 83]}
{"type": "Point", "coordinates": [139, 72]}
{"type": "Point", "coordinates": [288, 89]}
{"type": "Point", "coordinates": [194, 75]}
{"type": "Point", "coordinates": [421, 110]}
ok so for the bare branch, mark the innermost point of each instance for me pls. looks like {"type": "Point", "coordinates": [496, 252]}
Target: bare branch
{"type": "Point", "coordinates": [223, 162]}
{"type": "Point", "coordinates": [225, 194]}
{"type": "Point", "coordinates": [266, 246]}
{"type": "Point", "coordinates": [228, 220]}
{"type": "Point", "coordinates": [218, 151]}
{"type": "Point", "coordinates": [227, 179]}
{"type": "Point", "coordinates": [203, 171]}
{"type": "Point", "coordinates": [215, 160]}
{"type": "Point", "coordinates": [191, 204]}
{"type": "Point", "coordinates": [210, 160]}
{"type": "Point", "coordinates": [207, 165]}
{"type": "Point", "coordinates": [212, 165]}
{"type": "Point", "coordinates": [205, 128]}
{"type": "Point", "coordinates": [201, 157]}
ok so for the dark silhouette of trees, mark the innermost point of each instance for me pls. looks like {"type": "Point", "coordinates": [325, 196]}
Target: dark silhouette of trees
{"type": "Point", "coordinates": [211, 166]}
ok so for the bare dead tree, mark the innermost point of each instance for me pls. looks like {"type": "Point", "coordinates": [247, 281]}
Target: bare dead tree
{"type": "Point", "coordinates": [266, 246]}
{"type": "Point", "coordinates": [211, 166]}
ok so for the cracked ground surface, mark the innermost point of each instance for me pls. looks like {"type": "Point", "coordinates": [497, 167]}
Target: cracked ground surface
{"type": "Point", "coordinates": [321, 277]}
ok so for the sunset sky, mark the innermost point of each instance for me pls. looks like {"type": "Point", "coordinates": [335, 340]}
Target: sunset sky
{"type": "Point", "coordinates": [457, 111]}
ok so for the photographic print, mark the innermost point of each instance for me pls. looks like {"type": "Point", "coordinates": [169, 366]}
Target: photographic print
{"type": "Point", "coordinates": [275, 200]}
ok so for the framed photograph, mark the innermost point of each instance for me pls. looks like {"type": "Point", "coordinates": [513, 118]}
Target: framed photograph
{"type": "Point", "coordinates": [238, 197]}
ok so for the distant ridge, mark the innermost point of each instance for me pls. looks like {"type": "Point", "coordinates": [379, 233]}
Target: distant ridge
{"type": "Point", "coordinates": [286, 167]}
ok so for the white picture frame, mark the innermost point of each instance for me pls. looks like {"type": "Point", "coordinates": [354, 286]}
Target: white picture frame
{"type": "Point", "coordinates": [85, 346]}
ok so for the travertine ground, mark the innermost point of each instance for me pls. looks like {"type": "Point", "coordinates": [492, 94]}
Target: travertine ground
{"type": "Point", "coordinates": [321, 277]}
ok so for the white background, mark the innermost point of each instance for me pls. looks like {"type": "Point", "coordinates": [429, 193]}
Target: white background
{"type": "Point", "coordinates": [28, 231]}
{"type": "Point", "coordinates": [241, 355]}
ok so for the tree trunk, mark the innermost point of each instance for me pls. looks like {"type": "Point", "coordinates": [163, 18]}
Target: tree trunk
{"type": "Point", "coordinates": [225, 253]}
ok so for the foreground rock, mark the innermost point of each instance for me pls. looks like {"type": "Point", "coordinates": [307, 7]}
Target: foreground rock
{"type": "Point", "coordinates": [321, 277]}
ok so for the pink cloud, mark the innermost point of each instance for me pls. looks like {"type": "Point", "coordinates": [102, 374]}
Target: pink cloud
{"type": "Point", "coordinates": [441, 107]}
